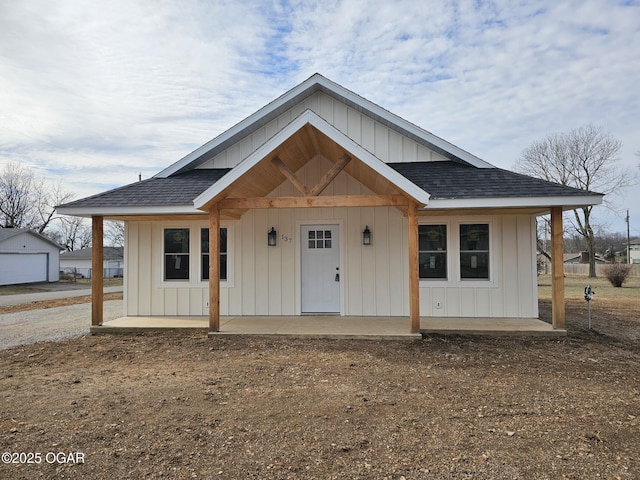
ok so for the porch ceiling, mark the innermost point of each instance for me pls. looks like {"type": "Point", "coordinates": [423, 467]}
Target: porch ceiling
{"type": "Point", "coordinates": [297, 151]}
{"type": "Point", "coordinates": [303, 146]}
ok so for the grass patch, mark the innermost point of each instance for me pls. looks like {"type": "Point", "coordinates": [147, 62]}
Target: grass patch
{"type": "Point", "coordinates": [108, 282]}
{"type": "Point", "coordinates": [79, 284]}
{"type": "Point", "coordinates": [17, 289]}
{"type": "Point", "coordinates": [574, 288]}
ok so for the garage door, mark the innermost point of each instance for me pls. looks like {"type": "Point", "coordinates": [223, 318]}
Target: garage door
{"type": "Point", "coordinates": [22, 268]}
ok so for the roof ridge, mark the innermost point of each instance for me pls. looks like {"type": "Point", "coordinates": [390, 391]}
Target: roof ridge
{"type": "Point", "coordinates": [297, 94]}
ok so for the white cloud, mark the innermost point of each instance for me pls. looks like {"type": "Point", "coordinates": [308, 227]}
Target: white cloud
{"type": "Point", "coordinates": [95, 92]}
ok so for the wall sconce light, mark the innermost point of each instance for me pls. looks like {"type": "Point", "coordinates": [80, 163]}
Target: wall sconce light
{"type": "Point", "coordinates": [366, 236]}
{"type": "Point", "coordinates": [272, 237]}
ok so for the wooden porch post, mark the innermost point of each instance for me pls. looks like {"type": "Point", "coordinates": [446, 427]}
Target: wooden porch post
{"type": "Point", "coordinates": [97, 273]}
{"type": "Point", "coordinates": [214, 269]}
{"type": "Point", "coordinates": [557, 268]}
{"type": "Point", "coordinates": [414, 281]}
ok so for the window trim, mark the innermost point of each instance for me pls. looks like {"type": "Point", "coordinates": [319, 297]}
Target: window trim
{"type": "Point", "coordinates": [174, 281]}
{"type": "Point", "coordinates": [195, 266]}
{"type": "Point", "coordinates": [447, 277]}
{"type": "Point", "coordinates": [453, 254]}
{"type": "Point", "coordinates": [201, 255]}
{"type": "Point", "coordinates": [229, 282]}
{"type": "Point", "coordinates": [491, 253]}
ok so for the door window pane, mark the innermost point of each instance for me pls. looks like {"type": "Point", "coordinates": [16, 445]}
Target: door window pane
{"type": "Point", "coordinates": [319, 238]}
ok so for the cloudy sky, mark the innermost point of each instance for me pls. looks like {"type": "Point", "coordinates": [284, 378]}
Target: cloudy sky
{"type": "Point", "coordinates": [95, 93]}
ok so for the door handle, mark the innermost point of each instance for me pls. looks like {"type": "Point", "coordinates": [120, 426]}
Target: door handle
{"type": "Point", "coordinates": [337, 275]}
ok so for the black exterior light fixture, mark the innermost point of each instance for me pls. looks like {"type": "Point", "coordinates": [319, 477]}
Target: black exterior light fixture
{"type": "Point", "coordinates": [366, 236]}
{"type": "Point", "coordinates": [272, 237]}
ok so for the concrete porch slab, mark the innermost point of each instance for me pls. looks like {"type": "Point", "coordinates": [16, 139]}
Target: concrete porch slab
{"type": "Point", "coordinates": [489, 326]}
{"type": "Point", "coordinates": [336, 327]}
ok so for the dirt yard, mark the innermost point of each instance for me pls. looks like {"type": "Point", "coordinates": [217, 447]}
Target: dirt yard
{"type": "Point", "coordinates": [185, 406]}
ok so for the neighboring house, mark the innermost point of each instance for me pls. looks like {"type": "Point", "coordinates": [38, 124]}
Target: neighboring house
{"type": "Point", "coordinates": [544, 264]}
{"type": "Point", "coordinates": [582, 257]}
{"type": "Point", "coordinates": [27, 257]}
{"type": "Point", "coordinates": [634, 251]}
{"type": "Point", "coordinates": [78, 262]}
{"type": "Point", "coordinates": [326, 203]}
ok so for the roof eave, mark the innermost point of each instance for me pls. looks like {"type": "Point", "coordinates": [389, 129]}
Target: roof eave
{"type": "Point", "coordinates": [568, 202]}
{"type": "Point", "coordinates": [129, 211]}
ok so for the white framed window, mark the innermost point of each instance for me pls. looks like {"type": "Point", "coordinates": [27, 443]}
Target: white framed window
{"type": "Point", "coordinates": [474, 251]}
{"type": "Point", "coordinates": [185, 254]}
{"type": "Point", "coordinates": [176, 252]}
{"type": "Point", "coordinates": [455, 251]}
{"type": "Point", "coordinates": [433, 252]}
{"type": "Point", "coordinates": [204, 254]}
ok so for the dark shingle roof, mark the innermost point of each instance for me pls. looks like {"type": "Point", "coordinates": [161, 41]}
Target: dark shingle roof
{"type": "Point", "coordinates": [452, 180]}
{"type": "Point", "coordinates": [179, 189]}
{"type": "Point", "coordinates": [109, 253]}
{"type": "Point", "coordinates": [442, 180]}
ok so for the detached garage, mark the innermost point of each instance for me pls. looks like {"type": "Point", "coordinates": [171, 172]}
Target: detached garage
{"type": "Point", "coordinates": [27, 257]}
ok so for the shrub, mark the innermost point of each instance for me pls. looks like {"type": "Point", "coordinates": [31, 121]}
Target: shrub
{"type": "Point", "coordinates": [617, 273]}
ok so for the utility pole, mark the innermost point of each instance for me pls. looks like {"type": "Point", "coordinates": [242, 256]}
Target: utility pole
{"type": "Point", "coordinates": [628, 240]}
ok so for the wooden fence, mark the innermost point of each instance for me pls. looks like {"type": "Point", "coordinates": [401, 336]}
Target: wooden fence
{"type": "Point", "coordinates": [582, 269]}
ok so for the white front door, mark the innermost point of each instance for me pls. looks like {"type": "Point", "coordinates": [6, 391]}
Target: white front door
{"type": "Point", "coordinates": [320, 264]}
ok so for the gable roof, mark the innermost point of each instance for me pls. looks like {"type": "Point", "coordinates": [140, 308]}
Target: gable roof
{"type": "Point", "coordinates": [7, 233]}
{"type": "Point", "coordinates": [318, 83]}
{"type": "Point", "coordinates": [109, 253]}
{"type": "Point", "coordinates": [463, 181]}
{"type": "Point", "coordinates": [309, 118]}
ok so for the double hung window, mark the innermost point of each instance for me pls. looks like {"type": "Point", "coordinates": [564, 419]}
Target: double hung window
{"type": "Point", "coordinates": [204, 253]}
{"type": "Point", "coordinates": [432, 250]}
{"type": "Point", "coordinates": [474, 251]}
{"type": "Point", "coordinates": [176, 254]}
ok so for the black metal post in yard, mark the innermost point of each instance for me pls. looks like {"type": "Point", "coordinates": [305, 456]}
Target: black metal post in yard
{"type": "Point", "coordinates": [588, 294]}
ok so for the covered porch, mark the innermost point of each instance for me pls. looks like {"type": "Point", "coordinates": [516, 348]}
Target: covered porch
{"type": "Point", "coordinates": [328, 326]}
{"type": "Point", "coordinates": [302, 176]}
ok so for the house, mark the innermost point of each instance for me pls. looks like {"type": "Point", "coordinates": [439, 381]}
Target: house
{"type": "Point", "coordinates": [324, 202]}
{"type": "Point", "coordinates": [582, 258]}
{"type": "Point", "coordinates": [27, 257]}
{"type": "Point", "coordinates": [78, 262]}
{"type": "Point", "coordinates": [634, 251]}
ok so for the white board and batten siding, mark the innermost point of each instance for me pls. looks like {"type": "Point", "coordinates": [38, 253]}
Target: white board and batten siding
{"type": "Point", "coordinates": [265, 280]}
{"type": "Point", "coordinates": [512, 286]}
{"type": "Point", "coordinates": [384, 142]}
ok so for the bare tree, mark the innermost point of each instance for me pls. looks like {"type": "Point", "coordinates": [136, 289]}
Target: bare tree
{"type": "Point", "coordinates": [28, 201]}
{"type": "Point", "coordinates": [585, 158]}
{"type": "Point", "coordinates": [114, 233]}
{"type": "Point", "coordinates": [51, 195]}
{"type": "Point", "coordinates": [17, 195]}
{"type": "Point", "coordinates": [73, 233]}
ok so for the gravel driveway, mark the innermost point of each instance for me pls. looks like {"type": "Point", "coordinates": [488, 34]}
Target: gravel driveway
{"type": "Point", "coordinates": [51, 324]}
